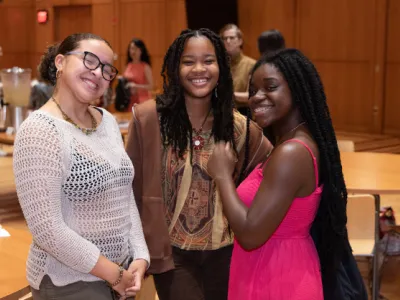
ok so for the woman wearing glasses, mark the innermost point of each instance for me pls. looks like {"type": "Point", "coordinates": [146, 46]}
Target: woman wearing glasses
{"type": "Point", "coordinates": [74, 179]}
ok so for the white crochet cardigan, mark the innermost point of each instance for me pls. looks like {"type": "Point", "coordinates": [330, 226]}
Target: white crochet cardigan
{"type": "Point", "coordinates": [75, 191]}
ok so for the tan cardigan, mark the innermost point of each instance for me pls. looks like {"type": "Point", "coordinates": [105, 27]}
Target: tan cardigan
{"type": "Point", "coordinates": [144, 148]}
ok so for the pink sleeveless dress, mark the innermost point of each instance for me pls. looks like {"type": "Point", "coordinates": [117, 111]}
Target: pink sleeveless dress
{"type": "Point", "coordinates": [287, 266]}
{"type": "Point", "coordinates": [135, 73]}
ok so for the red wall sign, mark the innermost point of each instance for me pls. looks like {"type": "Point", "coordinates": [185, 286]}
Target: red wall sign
{"type": "Point", "coordinates": [42, 16]}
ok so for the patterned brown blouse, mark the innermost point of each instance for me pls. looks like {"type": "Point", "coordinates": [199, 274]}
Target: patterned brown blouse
{"type": "Point", "coordinates": [193, 208]}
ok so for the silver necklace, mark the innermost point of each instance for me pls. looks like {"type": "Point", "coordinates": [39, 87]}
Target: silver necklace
{"type": "Point", "coordinates": [277, 144]}
{"type": "Point", "coordinates": [291, 130]}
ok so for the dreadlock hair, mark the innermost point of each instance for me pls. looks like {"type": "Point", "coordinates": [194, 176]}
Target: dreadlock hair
{"type": "Point", "coordinates": [242, 172]}
{"type": "Point", "coordinates": [175, 126]}
{"type": "Point", "coordinates": [329, 227]}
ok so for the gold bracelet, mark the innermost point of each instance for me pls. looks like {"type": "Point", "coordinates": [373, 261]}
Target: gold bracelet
{"type": "Point", "coordinates": [121, 273]}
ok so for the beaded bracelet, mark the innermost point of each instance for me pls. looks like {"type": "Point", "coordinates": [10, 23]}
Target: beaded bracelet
{"type": "Point", "coordinates": [121, 273]}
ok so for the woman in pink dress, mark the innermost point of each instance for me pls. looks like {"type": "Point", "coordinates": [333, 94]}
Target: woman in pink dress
{"type": "Point", "coordinates": [138, 72]}
{"type": "Point", "coordinates": [299, 187]}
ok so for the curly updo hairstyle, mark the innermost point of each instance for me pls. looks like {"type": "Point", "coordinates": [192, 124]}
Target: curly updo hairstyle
{"type": "Point", "coordinates": [47, 68]}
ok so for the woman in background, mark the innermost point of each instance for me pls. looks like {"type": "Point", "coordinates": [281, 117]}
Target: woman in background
{"type": "Point", "coordinates": [138, 72]}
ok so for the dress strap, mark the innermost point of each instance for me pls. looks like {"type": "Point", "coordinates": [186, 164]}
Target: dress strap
{"type": "Point", "coordinates": [312, 155]}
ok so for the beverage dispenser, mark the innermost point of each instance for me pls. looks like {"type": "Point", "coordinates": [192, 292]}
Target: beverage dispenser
{"type": "Point", "coordinates": [16, 92]}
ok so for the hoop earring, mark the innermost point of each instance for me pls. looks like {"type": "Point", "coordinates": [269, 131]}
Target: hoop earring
{"type": "Point", "coordinates": [216, 91]}
{"type": "Point", "coordinates": [58, 73]}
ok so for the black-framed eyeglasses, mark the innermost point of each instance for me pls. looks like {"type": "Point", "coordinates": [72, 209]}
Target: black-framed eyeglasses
{"type": "Point", "coordinates": [92, 62]}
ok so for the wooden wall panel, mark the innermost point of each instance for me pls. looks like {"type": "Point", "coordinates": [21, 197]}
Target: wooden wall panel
{"type": "Point", "coordinates": [345, 52]}
{"type": "Point", "coordinates": [16, 3]}
{"type": "Point", "coordinates": [337, 30]}
{"type": "Point", "coordinates": [256, 16]}
{"type": "Point", "coordinates": [392, 99]}
{"type": "Point", "coordinates": [94, 2]}
{"type": "Point", "coordinates": [157, 22]}
{"type": "Point", "coordinates": [71, 19]}
{"type": "Point", "coordinates": [175, 19]}
{"type": "Point", "coordinates": [157, 62]}
{"type": "Point", "coordinates": [77, 2]}
{"type": "Point", "coordinates": [34, 62]}
{"type": "Point", "coordinates": [348, 88]}
{"type": "Point", "coordinates": [392, 87]}
{"type": "Point", "coordinates": [393, 32]}
{"type": "Point", "coordinates": [344, 38]}
{"type": "Point", "coordinates": [44, 33]}
{"type": "Point", "coordinates": [103, 21]}
{"type": "Point", "coordinates": [70, 2]}
{"type": "Point", "coordinates": [379, 64]}
{"type": "Point", "coordinates": [144, 20]}
{"type": "Point", "coordinates": [16, 34]}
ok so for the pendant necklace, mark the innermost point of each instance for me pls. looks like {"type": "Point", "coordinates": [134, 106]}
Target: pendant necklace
{"type": "Point", "coordinates": [197, 139]}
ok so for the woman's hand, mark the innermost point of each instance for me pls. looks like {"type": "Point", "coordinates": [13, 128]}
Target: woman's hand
{"type": "Point", "coordinates": [222, 162]}
{"type": "Point", "coordinates": [137, 268]}
{"type": "Point", "coordinates": [127, 281]}
{"type": "Point", "coordinates": [132, 87]}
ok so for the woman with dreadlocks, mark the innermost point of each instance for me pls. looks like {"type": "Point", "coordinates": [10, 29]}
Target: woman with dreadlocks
{"type": "Point", "coordinates": [170, 141]}
{"type": "Point", "coordinates": [299, 186]}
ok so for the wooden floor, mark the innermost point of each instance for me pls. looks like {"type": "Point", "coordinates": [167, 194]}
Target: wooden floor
{"type": "Point", "coordinates": [372, 142]}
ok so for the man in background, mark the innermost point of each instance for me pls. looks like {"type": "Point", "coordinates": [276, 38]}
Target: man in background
{"type": "Point", "coordinates": [241, 64]}
{"type": "Point", "coordinates": [270, 41]}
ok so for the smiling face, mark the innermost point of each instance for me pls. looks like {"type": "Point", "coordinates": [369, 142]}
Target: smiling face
{"type": "Point", "coordinates": [270, 98]}
{"type": "Point", "coordinates": [86, 85]}
{"type": "Point", "coordinates": [198, 69]}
